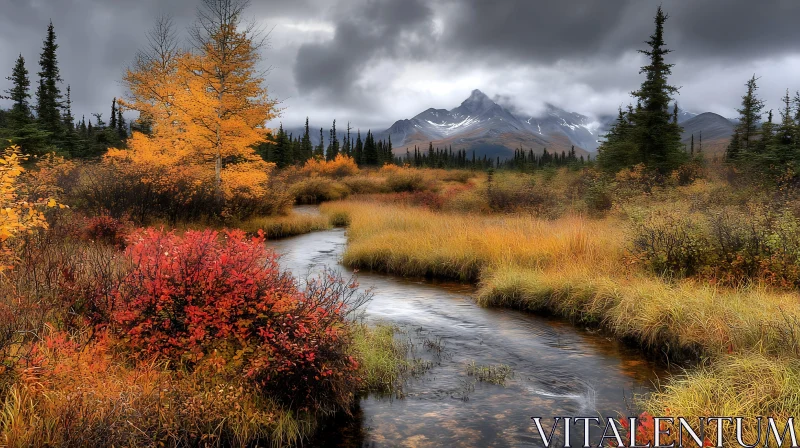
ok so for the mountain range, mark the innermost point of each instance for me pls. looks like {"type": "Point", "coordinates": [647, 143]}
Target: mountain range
{"type": "Point", "coordinates": [479, 124]}
{"type": "Point", "coordinates": [482, 125]}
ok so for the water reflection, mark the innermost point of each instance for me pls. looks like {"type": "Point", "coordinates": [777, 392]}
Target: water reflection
{"type": "Point", "coordinates": [559, 370]}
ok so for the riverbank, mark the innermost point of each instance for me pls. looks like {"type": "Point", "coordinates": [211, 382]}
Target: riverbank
{"type": "Point", "coordinates": [577, 268]}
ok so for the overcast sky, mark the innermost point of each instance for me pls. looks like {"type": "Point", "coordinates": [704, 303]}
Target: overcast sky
{"type": "Point", "coordinates": [372, 62]}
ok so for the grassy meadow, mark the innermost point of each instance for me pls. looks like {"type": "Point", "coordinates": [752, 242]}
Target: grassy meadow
{"type": "Point", "coordinates": [698, 273]}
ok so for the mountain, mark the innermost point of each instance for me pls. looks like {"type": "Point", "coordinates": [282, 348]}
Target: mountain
{"type": "Point", "coordinates": [716, 131]}
{"type": "Point", "coordinates": [481, 125]}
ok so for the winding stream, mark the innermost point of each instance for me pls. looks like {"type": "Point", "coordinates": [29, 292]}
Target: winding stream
{"type": "Point", "coordinates": [559, 370]}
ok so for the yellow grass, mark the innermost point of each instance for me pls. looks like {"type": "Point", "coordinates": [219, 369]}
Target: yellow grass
{"type": "Point", "coordinates": [417, 242]}
{"type": "Point", "coordinates": [748, 385]}
{"type": "Point", "coordinates": [574, 267]}
{"type": "Point", "coordinates": [275, 227]}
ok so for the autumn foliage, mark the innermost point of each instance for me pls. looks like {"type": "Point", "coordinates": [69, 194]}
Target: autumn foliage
{"type": "Point", "coordinates": [341, 166]}
{"type": "Point", "coordinates": [201, 114]}
{"type": "Point", "coordinates": [220, 299]}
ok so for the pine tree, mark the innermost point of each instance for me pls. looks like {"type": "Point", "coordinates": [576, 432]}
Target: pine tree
{"type": "Point", "coordinates": [370, 150]}
{"type": "Point", "coordinates": [358, 152]}
{"type": "Point", "coordinates": [319, 150]}
{"type": "Point", "coordinates": [749, 120]}
{"type": "Point", "coordinates": [657, 134]}
{"type": "Point", "coordinates": [113, 123]}
{"type": "Point", "coordinates": [19, 93]}
{"type": "Point", "coordinates": [333, 144]}
{"type": "Point", "coordinates": [69, 120]}
{"type": "Point", "coordinates": [21, 129]}
{"type": "Point", "coordinates": [48, 95]}
{"type": "Point", "coordinates": [122, 127]}
{"type": "Point", "coordinates": [306, 151]}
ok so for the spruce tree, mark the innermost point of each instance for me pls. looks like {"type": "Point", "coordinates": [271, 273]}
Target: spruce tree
{"type": "Point", "coordinates": [48, 96]}
{"type": "Point", "coordinates": [370, 150]}
{"type": "Point", "coordinates": [113, 123]}
{"type": "Point", "coordinates": [749, 120]}
{"type": "Point", "coordinates": [319, 150]}
{"type": "Point", "coordinates": [358, 152]}
{"type": "Point", "coordinates": [657, 134]}
{"type": "Point", "coordinates": [306, 151]}
{"type": "Point", "coordinates": [19, 93]}
{"type": "Point", "coordinates": [333, 144]}
{"type": "Point", "coordinates": [122, 126]}
{"type": "Point", "coordinates": [69, 120]}
{"type": "Point", "coordinates": [21, 129]}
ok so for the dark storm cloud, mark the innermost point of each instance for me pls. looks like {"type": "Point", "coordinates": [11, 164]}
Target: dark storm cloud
{"type": "Point", "coordinates": [380, 28]}
{"type": "Point", "coordinates": [540, 31]}
{"type": "Point", "coordinates": [375, 61]}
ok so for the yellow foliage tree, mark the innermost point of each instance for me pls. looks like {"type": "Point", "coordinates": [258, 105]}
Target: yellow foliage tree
{"type": "Point", "coordinates": [17, 215]}
{"type": "Point", "coordinates": [205, 108]}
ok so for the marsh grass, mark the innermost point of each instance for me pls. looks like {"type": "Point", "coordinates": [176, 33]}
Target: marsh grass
{"type": "Point", "coordinates": [746, 385]}
{"type": "Point", "coordinates": [382, 357]}
{"type": "Point", "coordinates": [493, 374]}
{"type": "Point", "coordinates": [276, 227]}
{"type": "Point", "coordinates": [574, 267]}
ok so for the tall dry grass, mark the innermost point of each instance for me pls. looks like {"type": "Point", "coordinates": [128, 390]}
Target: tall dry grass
{"type": "Point", "coordinates": [417, 242]}
{"type": "Point", "coordinates": [574, 267]}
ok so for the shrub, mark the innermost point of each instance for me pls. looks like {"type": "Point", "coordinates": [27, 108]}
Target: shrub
{"type": "Point", "coordinates": [671, 243]}
{"type": "Point", "coordinates": [508, 194]}
{"type": "Point", "coordinates": [106, 229]}
{"type": "Point", "coordinates": [405, 180]}
{"type": "Point", "coordinates": [145, 194]}
{"type": "Point", "coordinates": [318, 189]}
{"type": "Point", "coordinates": [223, 298]}
{"type": "Point", "coordinates": [365, 184]}
{"type": "Point", "coordinates": [339, 167]}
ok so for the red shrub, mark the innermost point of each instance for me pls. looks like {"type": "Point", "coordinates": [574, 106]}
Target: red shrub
{"type": "Point", "coordinates": [106, 229]}
{"type": "Point", "coordinates": [224, 298]}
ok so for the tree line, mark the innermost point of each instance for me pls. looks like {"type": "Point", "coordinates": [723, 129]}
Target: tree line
{"type": "Point", "coordinates": [286, 150]}
{"type": "Point", "coordinates": [765, 146]}
{"type": "Point", "coordinates": [48, 125]}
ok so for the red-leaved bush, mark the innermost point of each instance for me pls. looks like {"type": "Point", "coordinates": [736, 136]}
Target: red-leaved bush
{"type": "Point", "coordinates": [221, 299]}
{"type": "Point", "coordinates": [106, 229]}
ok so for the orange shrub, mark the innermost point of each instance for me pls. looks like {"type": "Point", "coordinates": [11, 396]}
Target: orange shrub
{"type": "Point", "coordinates": [341, 166]}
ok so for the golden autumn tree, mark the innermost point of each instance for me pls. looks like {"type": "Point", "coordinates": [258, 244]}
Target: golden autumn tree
{"type": "Point", "coordinates": [228, 102]}
{"type": "Point", "coordinates": [206, 107]}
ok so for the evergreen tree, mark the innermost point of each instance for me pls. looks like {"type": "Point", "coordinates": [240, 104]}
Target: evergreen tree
{"type": "Point", "coordinates": [279, 149]}
{"type": "Point", "coordinates": [657, 135]}
{"type": "Point", "coordinates": [370, 150]}
{"type": "Point", "coordinates": [48, 95]}
{"type": "Point", "coordinates": [306, 151]}
{"type": "Point", "coordinates": [333, 144]}
{"type": "Point", "coordinates": [319, 150]}
{"type": "Point", "coordinates": [749, 119]}
{"type": "Point", "coordinates": [19, 93]}
{"type": "Point", "coordinates": [619, 149]}
{"type": "Point", "coordinates": [21, 128]}
{"type": "Point", "coordinates": [122, 126]}
{"type": "Point", "coordinates": [358, 152]}
{"type": "Point", "coordinates": [113, 123]}
{"type": "Point", "coordinates": [69, 120]}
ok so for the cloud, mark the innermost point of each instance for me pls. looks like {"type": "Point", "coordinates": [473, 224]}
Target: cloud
{"type": "Point", "coordinates": [376, 61]}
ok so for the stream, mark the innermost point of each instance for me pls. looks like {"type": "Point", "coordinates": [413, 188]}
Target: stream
{"type": "Point", "coordinates": [558, 369]}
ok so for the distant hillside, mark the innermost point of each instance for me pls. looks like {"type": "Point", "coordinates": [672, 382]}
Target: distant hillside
{"type": "Point", "coordinates": [715, 129]}
{"type": "Point", "coordinates": [483, 126]}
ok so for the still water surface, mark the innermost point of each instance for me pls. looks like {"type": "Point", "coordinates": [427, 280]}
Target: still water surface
{"type": "Point", "coordinates": [559, 370]}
